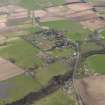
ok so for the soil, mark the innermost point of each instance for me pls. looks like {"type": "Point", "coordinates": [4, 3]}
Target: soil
{"type": "Point", "coordinates": [8, 70]}
{"type": "Point", "coordinates": [92, 90]}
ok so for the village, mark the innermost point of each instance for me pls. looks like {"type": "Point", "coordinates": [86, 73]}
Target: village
{"type": "Point", "coordinates": [52, 54]}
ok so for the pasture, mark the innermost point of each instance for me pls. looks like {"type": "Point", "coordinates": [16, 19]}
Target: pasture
{"type": "Point", "coordinates": [25, 56]}
{"type": "Point", "coordinates": [73, 30]}
{"type": "Point", "coordinates": [97, 63]}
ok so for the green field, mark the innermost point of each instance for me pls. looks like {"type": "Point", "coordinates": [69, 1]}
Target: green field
{"type": "Point", "coordinates": [22, 52]}
{"type": "Point", "coordinates": [103, 33]}
{"type": "Point", "coordinates": [25, 56]}
{"type": "Point", "coordinates": [40, 4]}
{"type": "Point", "coordinates": [97, 63]}
{"type": "Point", "coordinates": [94, 1]}
{"type": "Point", "coordinates": [57, 98]}
{"type": "Point", "coordinates": [66, 52]}
{"type": "Point", "coordinates": [45, 74]}
{"type": "Point", "coordinates": [73, 29]}
{"type": "Point", "coordinates": [33, 4]}
{"type": "Point", "coordinates": [21, 86]}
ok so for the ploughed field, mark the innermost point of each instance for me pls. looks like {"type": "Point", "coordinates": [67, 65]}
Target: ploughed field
{"type": "Point", "coordinates": [92, 90]}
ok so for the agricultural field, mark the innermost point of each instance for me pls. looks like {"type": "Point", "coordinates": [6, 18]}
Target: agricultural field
{"type": "Point", "coordinates": [18, 89]}
{"type": "Point", "coordinates": [46, 52]}
{"type": "Point", "coordinates": [96, 64]}
{"type": "Point", "coordinates": [57, 98]}
{"type": "Point", "coordinates": [73, 30]}
{"type": "Point", "coordinates": [25, 57]}
{"type": "Point", "coordinates": [100, 8]}
{"type": "Point", "coordinates": [96, 1]}
{"type": "Point", "coordinates": [19, 86]}
{"type": "Point", "coordinates": [34, 4]}
{"type": "Point", "coordinates": [22, 52]}
{"type": "Point", "coordinates": [103, 33]}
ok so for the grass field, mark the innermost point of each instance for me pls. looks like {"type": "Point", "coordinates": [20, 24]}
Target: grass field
{"type": "Point", "coordinates": [85, 47]}
{"type": "Point", "coordinates": [40, 4]}
{"type": "Point", "coordinates": [103, 33]}
{"type": "Point", "coordinates": [57, 98]}
{"type": "Point", "coordinates": [94, 1]}
{"type": "Point", "coordinates": [97, 2]}
{"type": "Point", "coordinates": [45, 74]}
{"type": "Point", "coordinates": [22, 52]}
{"type": "Point", "coordinates": [25, 57]}
{"type": "Point", "coordinates": [73, 29]}
{"type": "Point", "coordinates": [22, 85]}
{"type": "Point", "coordinates": [66, 52]}
{"type": "Point", "coordinates": [97, 63]}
